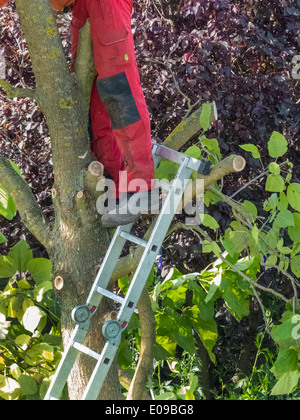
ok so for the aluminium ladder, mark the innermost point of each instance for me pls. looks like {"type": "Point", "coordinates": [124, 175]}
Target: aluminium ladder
{"type": "Point", "coordinates": [112, 329]}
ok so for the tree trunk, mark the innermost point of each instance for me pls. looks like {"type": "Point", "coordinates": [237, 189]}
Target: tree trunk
{"type": "Point", "coordinates": [76, 241]}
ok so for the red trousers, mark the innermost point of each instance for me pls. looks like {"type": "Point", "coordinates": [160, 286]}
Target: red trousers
{"type": "Point", "coordinates": [119, 114]}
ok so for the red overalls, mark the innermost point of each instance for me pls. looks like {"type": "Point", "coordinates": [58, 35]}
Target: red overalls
{"type": "Point", "coordinates": [120, 118]}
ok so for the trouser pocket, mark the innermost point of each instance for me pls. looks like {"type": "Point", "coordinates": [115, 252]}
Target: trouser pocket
{"type": "Point", "coordinates": [119, 101]}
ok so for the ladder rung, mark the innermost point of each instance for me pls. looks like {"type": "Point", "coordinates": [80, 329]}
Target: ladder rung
{"type": "Point", "coordinates": [86, 350]}
{"type": "Point", "coordinates": [133, 239]}
{"type": "Point", "coordinates": [110, 295]}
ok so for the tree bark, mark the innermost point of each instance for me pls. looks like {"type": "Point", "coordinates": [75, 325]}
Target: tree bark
{"type": "Point", "coordinates": [76, 242]}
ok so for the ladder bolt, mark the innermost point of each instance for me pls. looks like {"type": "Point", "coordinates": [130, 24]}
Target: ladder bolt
{"type": "Point", "coordinates": [111, 330]}
{"type": "Point", "coordinates": [81, 314]}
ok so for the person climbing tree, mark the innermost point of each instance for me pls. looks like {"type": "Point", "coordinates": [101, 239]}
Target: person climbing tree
{"type": "Point", "coordinates": [119, 115]}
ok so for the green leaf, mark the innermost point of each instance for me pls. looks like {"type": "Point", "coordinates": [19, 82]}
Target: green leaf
{"type": "Point", "coordinates": [209, 221]}
{"type": "Point", "coordinates": [206, 330]}
{"type": "Point", "coordinates": [234, 296]}
{"type": "Point", "coordinates": [21, 254]}
{"type": "Point", "coordinates": [271, 203]}
{"type": "Point", "coordinates": [14, 309]}
{"type": "Point", "coordinates": [166, 170]}
{"type": "Point", "coordinates": [16, 168]}
{"type": "Point", "coordinates": [211, 247]}
{"type": "Point", "coordinates": [39, 354]}
{"type": "Point", "coordinates": [294, 231]}
{"type": "Point", "coordinates": [212, 145]}
{"type": "Point", "coordinates": [205, 116]}
{"type": "Point", "coordinates": [293, 196]}
{"type": "Point", "coordinates": [40, 269]}
{"type": "Point", "coordinates": [274, 168]}
{"type": "Point", "coordinates": [28, 385]}
{"type": "Point", "coordinates": [287, 360]}
{"type": "Point", "coordinates": [277, 145]}
{"type": "Point", "coordinates": [271, 261]}
{"type": "Point", "coordinates": [206, 309]}
{"type": "Point", "coordinates": [7, 267]}
{"type": "Point", "coordinates": [250, 208]}
{"type": "Point", "coordinates": [189, 395]}
{"type": "Point", "coordinates": [295, 265]}
{"type": "Point", "coordinates": [286, 333]}
{"type": "Point", "coordinates": [23, 341]}
{"type": "Point", "coordinates": [238, 238]}
{"type": "Point", "coordinates": [7, 205]}
{"type": "Point", "coordinates": [193, 151]}
{"type": "Point", "coordinates": [283, 202]}
{"type": "Point", "coordinates": [40, 289]}
{"type": "Point", "coordinates": [252, 149]}
{"type": "Point", "coordinates": [15, 371]}
{"type": "Point", "coordinates": [287, 383]}
{"type": "Point", "coordinates": [9, 388]}
{"type": "Point", "coordinates": [275, 183]}
{"type": "Point", "coordinates": [284, 219]}
{"type": "Point", "coordinates": [2, 238]}
{"type": "Point", "coordinates": [167, 396]}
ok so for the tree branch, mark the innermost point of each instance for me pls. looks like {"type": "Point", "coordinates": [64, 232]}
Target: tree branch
{"type": "Point", "coordinates": [187, 129]}
{"type": "Point", "coordinates": [30, 212]}
{"type": "Point", "coordinates": [13, 92]}
{"type": "Point", "coordinates": [148, 337]}
{"type": "Point", "coordinates": [84, 67]}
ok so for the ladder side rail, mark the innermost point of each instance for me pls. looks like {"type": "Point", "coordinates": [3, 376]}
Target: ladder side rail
{"type": "Point", "coordinates": [139, 280]}
{"type": "Point", "coordinates": [108, 265]}
{"type": "Point", "coordinates": [65, 366]}
{"type": "Point", "coordinates": [101, 370]}
{"type": "Point", "coordinates": [155, 241]}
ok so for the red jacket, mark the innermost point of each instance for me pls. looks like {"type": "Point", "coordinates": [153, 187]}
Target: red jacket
{"type": "Point", "coordinates": [110, 30]}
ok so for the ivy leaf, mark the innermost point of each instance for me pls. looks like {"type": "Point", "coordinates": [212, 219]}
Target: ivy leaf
{"type": "Point", "coordinates": [277, 145]}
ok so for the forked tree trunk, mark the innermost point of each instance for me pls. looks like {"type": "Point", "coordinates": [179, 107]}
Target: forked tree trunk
{"type": "Point", "coordinates": [75, 240]}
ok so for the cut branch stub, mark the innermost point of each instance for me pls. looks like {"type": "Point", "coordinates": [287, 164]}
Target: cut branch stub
{"type": "Point", "coordinates": [96, 169]}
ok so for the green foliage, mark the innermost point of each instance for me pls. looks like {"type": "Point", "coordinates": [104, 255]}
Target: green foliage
{"type": "Point", "coordinates": [185, 305]}
{"type": "Point", "coordinates": [30, 342]}
{"type": "Point", "coordinates": [7, 205]}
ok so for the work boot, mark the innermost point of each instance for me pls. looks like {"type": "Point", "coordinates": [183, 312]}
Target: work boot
{"type": "Point", "coordinates": [131, 207]}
